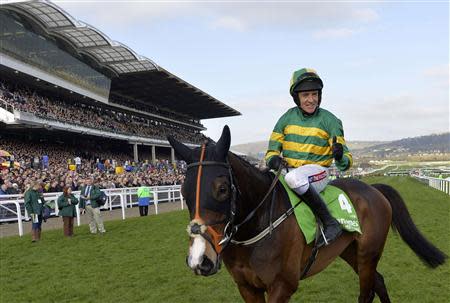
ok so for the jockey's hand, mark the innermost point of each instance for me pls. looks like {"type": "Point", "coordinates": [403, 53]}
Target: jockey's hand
{"type": "Point", "coordinates": [337, 149]}
{"type": "Point", "coordinates": [274, 162]}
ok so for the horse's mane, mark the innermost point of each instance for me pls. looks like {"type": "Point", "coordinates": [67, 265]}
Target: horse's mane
{"type": "Point", "coordinates": [265, 175]}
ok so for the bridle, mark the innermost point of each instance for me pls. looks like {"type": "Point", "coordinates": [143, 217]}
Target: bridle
{"type": "Point", "coordinates": [198, 226]}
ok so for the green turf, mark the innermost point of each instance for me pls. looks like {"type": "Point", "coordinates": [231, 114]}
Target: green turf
{"type": "Point", "coordinates": [143, 260]}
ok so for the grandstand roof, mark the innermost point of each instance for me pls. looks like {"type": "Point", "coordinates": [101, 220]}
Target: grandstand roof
{"type": "Point", "coordinates": [132, 75]}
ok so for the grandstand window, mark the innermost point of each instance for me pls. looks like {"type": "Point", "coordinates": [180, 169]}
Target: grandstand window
{"type": "Point", "coordinates": [44, 54]}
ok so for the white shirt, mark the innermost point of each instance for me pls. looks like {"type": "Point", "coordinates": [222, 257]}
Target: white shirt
{"type": "Point", "coordinates": [87, 192]}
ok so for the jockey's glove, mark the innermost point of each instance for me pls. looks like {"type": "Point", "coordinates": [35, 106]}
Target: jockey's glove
{"type": "Point", "coordinates": [274, 162]}
{"type": "Point", "coordinates": [337, 149]}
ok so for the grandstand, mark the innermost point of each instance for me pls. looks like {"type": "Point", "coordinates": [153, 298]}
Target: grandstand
{"type": "Point", "coordinates": [64, 83]}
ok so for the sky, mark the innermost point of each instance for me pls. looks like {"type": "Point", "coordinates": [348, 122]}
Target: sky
{"type": "Point", "coordinates": [385, 65]}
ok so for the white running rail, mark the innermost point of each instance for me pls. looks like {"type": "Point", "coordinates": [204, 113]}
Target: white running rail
{"type": "Point", "coordinates": [117, 197]}
{"type": "Point", "coordinates": [437, 183]}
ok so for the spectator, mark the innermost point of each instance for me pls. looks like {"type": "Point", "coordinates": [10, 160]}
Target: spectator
{"type": "Point", "coordinates": [151, 175]}
{"type": "Point", "coordinates": [144, 195]}
{"type": "Point", "coordinates": [34, 202]}
{"type": "Point", "coordinates": [3, 189]}
{"type": "Point", "coordinates": [14, 190]}
{"type": "Point", "coordinates": [77, 163]}
{"type": "Point", "coordinates": [90, 193]}
{"type": "Point", "coordinates": [44, 162]}
{"type": "Point", "coordinates": [66, 204]}
{"type": "Point", "coordinates": [103, 118]}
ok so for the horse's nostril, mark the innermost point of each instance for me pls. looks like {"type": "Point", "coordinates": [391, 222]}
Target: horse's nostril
{"type": "Point", "coordinates": [206, 266]}
{"type": "Point", "coordinates": [196, 229]}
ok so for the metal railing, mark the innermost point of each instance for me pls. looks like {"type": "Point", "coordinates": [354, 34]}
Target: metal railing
{"type": "Point", "coordinates": [117, 197]}
{"type": "Point", "coordinates": [437, 183]}
{"type": "Point", "coordinates": [6, 105]}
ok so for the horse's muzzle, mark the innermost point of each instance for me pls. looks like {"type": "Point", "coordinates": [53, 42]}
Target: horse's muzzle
{"type": "Point", "coordinates": [206, 267]}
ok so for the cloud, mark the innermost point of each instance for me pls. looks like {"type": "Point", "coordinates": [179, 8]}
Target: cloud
{"type": "Point", "coordinates": [236, 16]}
{"type": "Point", "coordinates": [365, 15]}
{"type": "Point", "coordinates": [437, 71]}
{"type": "Point", "coordinates": [268, 102]}
{"type": "Point", "coordinates": [334, 33]}
{"type": "Point", "coordinates": [259, 112]}
{"type": "Point", "coordinates": [393, 117]}
{"type": "Point", "coordinates": [229, 23]}
{"type": "Point", "coordinates": [104, 13]}
{"type": "Point", "coordinates": [374, 118]}
{"type": "Point", "coordinates": [439, 75]}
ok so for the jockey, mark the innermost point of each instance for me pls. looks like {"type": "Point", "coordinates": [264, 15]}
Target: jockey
{"type": "Point", "coordinates": [309, 138]}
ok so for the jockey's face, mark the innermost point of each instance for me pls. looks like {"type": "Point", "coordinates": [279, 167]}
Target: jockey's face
{"type": "Point", "coordinates": [309, 100]}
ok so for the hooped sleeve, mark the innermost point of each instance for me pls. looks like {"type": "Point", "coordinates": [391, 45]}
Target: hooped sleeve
{"type": "Point", "coordinates": [276, 140]}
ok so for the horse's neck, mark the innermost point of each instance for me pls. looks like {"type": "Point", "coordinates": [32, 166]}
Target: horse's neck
{"type": "Point", "coordinates": [252, 186]}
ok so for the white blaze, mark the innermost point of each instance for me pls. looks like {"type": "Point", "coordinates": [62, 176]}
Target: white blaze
{"type": "Point", "coordinates": [196, 252]}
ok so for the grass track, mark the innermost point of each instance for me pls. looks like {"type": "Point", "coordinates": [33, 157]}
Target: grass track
{"type": "Point", "coordinates": [142, 260]}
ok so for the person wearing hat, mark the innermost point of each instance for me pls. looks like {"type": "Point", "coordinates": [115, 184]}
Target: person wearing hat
{"type": "Point", "coordinates": [309, 138]}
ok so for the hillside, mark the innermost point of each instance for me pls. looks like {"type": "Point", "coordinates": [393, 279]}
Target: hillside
{"type": "Point", "coordinates": [423, 145]}
{"type": "Point", "coordinates": [431, 144]}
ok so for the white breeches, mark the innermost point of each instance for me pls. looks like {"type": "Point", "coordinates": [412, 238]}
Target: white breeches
{"type": "Point", "coordinates": [300, 178]}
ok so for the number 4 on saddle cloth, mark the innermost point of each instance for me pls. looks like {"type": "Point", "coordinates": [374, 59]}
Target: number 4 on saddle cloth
{"type": "Point", "coordinates": [338, 204]}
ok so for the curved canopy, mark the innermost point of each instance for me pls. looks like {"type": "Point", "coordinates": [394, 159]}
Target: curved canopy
{"type": "Point", "coordinates": [134, 76]}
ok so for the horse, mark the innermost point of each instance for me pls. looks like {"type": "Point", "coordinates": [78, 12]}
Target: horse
{"type": "Point", "coordinates": [231, 201]}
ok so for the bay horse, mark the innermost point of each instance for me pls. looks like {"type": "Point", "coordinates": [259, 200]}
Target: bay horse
{"type": "Point", "coordinates": [229, 202]}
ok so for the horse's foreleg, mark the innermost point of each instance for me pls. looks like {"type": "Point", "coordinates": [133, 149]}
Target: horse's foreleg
{"type": "Point", "coordinates": [280, 291]}
{"type": "Point", "coordinates": [251, 294]}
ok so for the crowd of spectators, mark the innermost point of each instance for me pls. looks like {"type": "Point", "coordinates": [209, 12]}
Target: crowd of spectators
{"type": "Point", "coordinates": [157, 110]}
{"type": "Point", "coordinates": [95, 116]}
{"type": "Point", "coordinates": [55, 173]}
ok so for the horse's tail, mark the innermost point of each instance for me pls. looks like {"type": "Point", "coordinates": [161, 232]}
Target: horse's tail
{"type": "Point", "coordinates": [403, 223]}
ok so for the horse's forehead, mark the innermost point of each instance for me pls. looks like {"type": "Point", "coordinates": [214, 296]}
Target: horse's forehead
{"type": "Point", "coordinates": [210, 153]}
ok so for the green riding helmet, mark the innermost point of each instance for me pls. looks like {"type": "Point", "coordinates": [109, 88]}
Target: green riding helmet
{"type": "Point", "coordinates": [305, 79]}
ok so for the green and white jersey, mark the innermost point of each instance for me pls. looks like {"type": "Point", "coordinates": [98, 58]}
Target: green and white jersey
{"type": "Point", "coordinates": [304, 139]}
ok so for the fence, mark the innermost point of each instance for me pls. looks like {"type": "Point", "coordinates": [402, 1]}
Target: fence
{"type": "Point", "coordinates": [13, 205]}
{"type": "Point", "coordinates": [440, 184]}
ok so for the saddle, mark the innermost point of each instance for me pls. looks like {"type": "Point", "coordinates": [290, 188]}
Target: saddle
{"type": "Point", "coordinates": [338, 203]}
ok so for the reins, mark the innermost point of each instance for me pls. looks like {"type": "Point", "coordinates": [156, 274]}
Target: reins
{"type": "Point", "coordinates": [234, 228]}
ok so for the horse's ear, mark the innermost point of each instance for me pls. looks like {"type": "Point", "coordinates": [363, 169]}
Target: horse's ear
{"type": "Point", "coordinates": [223, 145]}
{"type": "Point", "coordinates": [182, 150]}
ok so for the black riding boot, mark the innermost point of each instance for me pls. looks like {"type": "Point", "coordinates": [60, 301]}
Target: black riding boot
{"type": "Point", "coordinates": [331, 226]}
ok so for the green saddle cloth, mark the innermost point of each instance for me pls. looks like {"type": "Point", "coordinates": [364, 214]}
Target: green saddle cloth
{"type": "Point", "coordinates": [338, 204]}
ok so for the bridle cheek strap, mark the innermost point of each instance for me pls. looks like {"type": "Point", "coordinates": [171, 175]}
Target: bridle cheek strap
{"type": "Point", "coordinates": [199, 178]}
